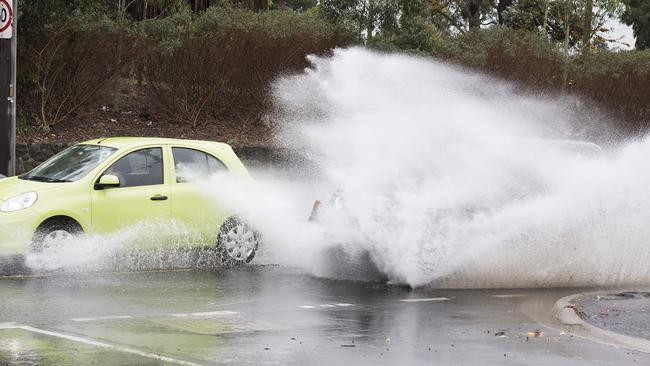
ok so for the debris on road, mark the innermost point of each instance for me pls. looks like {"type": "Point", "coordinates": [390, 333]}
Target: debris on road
{"type": "Point", "coordinates": [535, 333]}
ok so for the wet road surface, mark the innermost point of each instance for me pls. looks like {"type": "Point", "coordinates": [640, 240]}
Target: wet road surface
{"type": "Point", "coordinates": [279, 316]}
{"type": "Point", "coordinates": [620, 312]}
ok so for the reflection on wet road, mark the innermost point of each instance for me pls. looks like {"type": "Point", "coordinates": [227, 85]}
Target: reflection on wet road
{"type": "Point", "coordinates": [274, 315]}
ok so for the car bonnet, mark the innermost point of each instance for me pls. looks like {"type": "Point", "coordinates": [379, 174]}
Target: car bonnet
{"type": "Point", "coordinates": [10, 187]}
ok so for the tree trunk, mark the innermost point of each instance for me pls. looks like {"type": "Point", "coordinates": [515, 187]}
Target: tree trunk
{"type": "Point", "coordinates": [586, 26]}
{"type": "Point", "coordinates": [259, 5]}
{"type": "Point", "coordinates": [565, 69]}
{"type": "Point", "coordinates": [502, 6]}
{"type": "Point", "coordinates": [474, 14]}
{"type": "Point", "coordinates": [121, 17]}
{"type": "Point", "coordinates": [545, 23]}
{"type": "Point", "coordinates": [370, 26]}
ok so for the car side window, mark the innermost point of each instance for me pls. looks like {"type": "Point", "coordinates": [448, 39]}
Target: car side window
{"type": "Point", "coordinates": [194, 165]}
{"type": "Point", "coordinates": [139, 168]}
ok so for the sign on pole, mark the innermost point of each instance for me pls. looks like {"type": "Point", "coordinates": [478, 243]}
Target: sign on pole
{"type": "Point", "coordinates": [8, 44]}
{"type": "Point", "coordinates": [6, 19]}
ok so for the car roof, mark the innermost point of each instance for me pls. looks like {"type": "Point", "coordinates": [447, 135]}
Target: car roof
{"type": "Point", "coordinates": [122, 142]}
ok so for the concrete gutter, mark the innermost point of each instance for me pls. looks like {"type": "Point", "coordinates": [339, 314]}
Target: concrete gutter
{"type": "Point", "coordinates": [566, 312]}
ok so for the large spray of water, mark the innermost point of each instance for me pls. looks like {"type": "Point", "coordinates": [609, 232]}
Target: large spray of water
{"type": "Point", "coordinates": [449, 179]}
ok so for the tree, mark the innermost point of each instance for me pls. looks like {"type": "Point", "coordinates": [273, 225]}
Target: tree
{"type": "Point", "coordinates": [637, 14]}
{"type": "Point", "coordinates": [297, 5]}
{"type": "Point", "coordinates": [363, 17]}
{"type": "Point", "coordinates": [579, 22]}
{"type": "Point", "coordinates": [502, 7]}
{"type": "Point", "coordinates": [407, 25]}
{"type": "Point", "coordinates": [463, 15]}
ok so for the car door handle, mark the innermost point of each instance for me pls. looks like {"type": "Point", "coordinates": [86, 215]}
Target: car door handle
{"type": "Point", "coordinates": [159, 197]}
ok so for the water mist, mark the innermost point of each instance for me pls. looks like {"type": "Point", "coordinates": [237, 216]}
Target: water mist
{"type": "Point", "coordinates": [451, 179]}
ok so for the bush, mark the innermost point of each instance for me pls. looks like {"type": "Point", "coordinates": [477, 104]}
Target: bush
{"type": "Point", "coordinates": [515, 55]}
{"type": "Point", "coordinates": [221, 62]}
{"type": "Point", "coordinates": [617, 81]}
{"type": "Point", "coordinates": [67, 64]}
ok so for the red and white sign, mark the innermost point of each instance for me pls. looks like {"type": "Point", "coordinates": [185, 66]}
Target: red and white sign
{"type": "Point", "coordinates": [6, 19]}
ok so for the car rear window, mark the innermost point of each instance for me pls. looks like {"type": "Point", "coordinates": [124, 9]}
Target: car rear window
{"type": "Point", "coordinates": [194, 165]}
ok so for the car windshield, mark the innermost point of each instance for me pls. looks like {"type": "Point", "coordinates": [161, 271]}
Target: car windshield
{"type": "Point", "coordinates": [71, 164]}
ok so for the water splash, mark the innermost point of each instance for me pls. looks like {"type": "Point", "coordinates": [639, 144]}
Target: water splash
{"type": "Point", "coordinates": [451, 179]}
{"type": "Point", "coordinates": [153, 244]}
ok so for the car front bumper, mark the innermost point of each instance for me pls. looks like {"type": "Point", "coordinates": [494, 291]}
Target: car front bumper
{"type": "Point", "coordinates": [16, 233]}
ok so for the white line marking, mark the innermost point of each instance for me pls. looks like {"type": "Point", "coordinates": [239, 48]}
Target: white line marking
{"type": "Point", "coordinates": [205, 314]}
{"type": "Point", "coordinates": [7, 326]}
{"type": "Point", "coordinates": [110, 317]}
{"type": "Point", "coordinates": [104, 345]}
{"type": "Point", "coordinates": [507, 296]}
{"type": "Point", "coordinates": [325, 306]}
{"type": "Point", "coordinates": [427, 299]}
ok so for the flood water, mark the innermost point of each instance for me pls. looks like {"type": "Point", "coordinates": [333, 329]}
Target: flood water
{"type": "Point", "coordinates": [273, 315]}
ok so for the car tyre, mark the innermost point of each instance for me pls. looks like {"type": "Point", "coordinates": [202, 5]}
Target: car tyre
{"type": "Point", "coordinates": [50, 235]}
{"type": "Point", "coordinates": [237, 243]}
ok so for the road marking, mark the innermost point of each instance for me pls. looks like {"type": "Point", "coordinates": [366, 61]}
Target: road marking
{"type": "Point", "coordinates": [204, 314]}
{"type": "Point", "coordinates": [177, 315]}
{"type": "Point", "coordinates": [110, 317]}
{"type": "Point", "coordinates": [507, 296]}
{"type": "Point", "coordinates": [91, 342]}
{"type": "Point", "coordinates": [326, 306]}
{"type": "Point", "coordinates": [426, 299]}
{"type": "Point", "coordinates": [7, 326]}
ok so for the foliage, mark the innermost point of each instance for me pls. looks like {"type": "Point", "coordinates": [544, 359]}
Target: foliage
{"type": "Point", "coordinates": [66, 54]}
{"type": "Point", "coordinates": [517, 55]}
{"type": "Point", "coordinates": [206, 60]}
{"type": "Point", "coordinates": [619, 81]}
{"type": "Point", "coordinates": [462, 15]}
{"type": "Point", "coordinates": [637, 14]}
{"type": "Point", "coordinates": [560, 15]}
{"type": "Point", "coordinates": [297, 5]}
{"type": "Point", "coordinates": [220, 63]}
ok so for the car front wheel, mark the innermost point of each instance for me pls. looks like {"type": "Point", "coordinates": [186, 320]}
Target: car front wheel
{"type": "Point", "coordinates": [237, 243]}
{"type": "Point", "coordinates": [51, 237]}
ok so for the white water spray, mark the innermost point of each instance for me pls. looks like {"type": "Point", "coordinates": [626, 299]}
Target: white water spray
{"type": "Point", "coordinates": [451, 181]}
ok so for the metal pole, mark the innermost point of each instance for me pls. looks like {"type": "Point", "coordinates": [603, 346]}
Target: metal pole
{"type": "Point", "coordinates": [8, 100]}
{"type": "Point", "coordinates": [13, 106]}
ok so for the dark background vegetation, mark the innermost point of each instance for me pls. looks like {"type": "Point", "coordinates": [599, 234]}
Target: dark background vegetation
{"type": "Point", "coordinates": [203, 68]}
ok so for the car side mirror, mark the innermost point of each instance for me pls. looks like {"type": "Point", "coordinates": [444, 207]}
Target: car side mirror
{"type": "Point", "coordinates": [107, 181]}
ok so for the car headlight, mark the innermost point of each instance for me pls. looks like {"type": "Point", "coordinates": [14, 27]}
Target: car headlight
{"type": "Point", "coordinates": [19, 202]}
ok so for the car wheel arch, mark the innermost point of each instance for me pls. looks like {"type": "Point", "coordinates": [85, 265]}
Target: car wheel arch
{"type": "Point", "coordinates": [60, 220]}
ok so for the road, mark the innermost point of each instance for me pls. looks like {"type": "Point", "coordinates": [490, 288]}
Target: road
{"type": "Point", "coordinates": [271, 315]}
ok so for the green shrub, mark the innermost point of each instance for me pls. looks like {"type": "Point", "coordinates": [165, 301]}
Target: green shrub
{"type": "Point", "coordinates": [221, 62]}
{"type": "Point", "coordinates": [515, 55]}
{"type": "Point", "coordinates": [618, 82]}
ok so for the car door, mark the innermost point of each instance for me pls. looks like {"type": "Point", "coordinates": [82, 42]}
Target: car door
{"type": "Point", "coordinates": [192, 205]}
{"type": "Point", "coordinates": [141, 197]}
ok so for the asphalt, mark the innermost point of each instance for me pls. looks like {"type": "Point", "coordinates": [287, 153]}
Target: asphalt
{"type": "Point", "coordinates": [270, 315]}
{"type": "Point", "coordinates": [622, 312]}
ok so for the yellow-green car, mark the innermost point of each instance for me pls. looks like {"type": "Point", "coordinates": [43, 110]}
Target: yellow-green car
{"type": "Point", "coordinates": [106, 185]}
